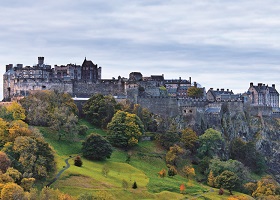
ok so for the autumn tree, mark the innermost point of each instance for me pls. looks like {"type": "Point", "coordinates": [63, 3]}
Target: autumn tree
{"type": "Point", "coordinates": [162, 173]}
{"type": "Point", "coordinates": [182, 188]}
{"type": "Point", "coordinates": [27, 183]}
{"type": "Point", "coordinates": [211, 179]}
{"type": "Point", "coordinates": [50, 108]}
{"type": "Point", "coordinates": [210, 143]}
{"type": "Point", "coordinates": [188, 171]}
{"type": "Point", "coordinates": [189, 138]}
{"type": "Point", "coordinates": [267, 186]}
{"type": "Point", "coordinates": [12, 191]}
{"type": "Point", "coordinates": [168, 139]}
{"type": "Point", "coordinates": [250, 187]}
{"type": "Point", "coordinates": [16, 110]}
{"type": "Point", "coordinates": [5, 162]}
{"type": "Point", "coordinates": [195, 92]}
{"type": "Point", "coordinates": [35, 156]}
{"type": "Point", "coordinates": [96, 147]}
{"type": "Point", "coordinates": [147, 118]}
{"type": "Point", "coordinates": [125, 129]}
{"type": "Point", "coordinates": [78, 161]}
{"type": "Point", "coordinates": [100, 109]}
{"type": "Point", "coordinates": [227, 180]}
{"type": "Point", "coordinates": [173, 155]}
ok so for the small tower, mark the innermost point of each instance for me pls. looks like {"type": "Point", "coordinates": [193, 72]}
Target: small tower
{"type": "Point", "coordinates": [40, 61]}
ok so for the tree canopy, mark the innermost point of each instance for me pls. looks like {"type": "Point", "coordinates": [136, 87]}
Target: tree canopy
{"type": "Point", "coordinates": [96, 147]}
{"type": "Point", "coordinates": [100, 109]}
{"type": "Point", "coordinates": [210, 143]}
{"type": "Point", "coordinates": [195, 92]}
{"type": "Point", "coordinates": [125, 129]}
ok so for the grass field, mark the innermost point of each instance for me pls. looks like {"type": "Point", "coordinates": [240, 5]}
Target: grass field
{"type": "Point", "coordinates": [147, 159]}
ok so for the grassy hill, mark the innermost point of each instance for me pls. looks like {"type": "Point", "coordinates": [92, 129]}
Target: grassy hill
{"type": "Point", "coordinates": [147, 159]}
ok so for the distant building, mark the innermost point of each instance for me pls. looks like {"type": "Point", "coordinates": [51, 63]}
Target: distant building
{"type": "Point", "coordinates": [221, 95]}
{"type": "Point", "coordinates": [262, 94]}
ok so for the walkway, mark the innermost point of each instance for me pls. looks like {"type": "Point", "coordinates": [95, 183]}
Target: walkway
{"type": "Point", "coordinates": [60, 172]}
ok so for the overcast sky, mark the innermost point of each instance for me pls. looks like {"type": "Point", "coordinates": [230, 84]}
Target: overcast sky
{"type": "Point", "coordinates": [219, 43]}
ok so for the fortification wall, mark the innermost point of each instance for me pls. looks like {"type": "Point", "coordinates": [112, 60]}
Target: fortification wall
{"type": "Point", "coordinates": [261, 110]}
{"type": "Point", "coordinates": [87, 89]}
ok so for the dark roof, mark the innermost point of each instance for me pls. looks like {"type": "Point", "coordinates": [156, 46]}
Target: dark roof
{"type": "Point", "coordinates": [216, 93]}
{"type": "Point", "coordinates": [157, 77]}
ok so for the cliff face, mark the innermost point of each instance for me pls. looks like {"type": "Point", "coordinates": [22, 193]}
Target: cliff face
{"type": "Point", "coordinates": [244, 122]}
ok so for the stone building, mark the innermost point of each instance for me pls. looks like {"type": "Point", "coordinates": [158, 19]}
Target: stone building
{"type": "Point", "coordinates": [262, 94]}
{"type": "Point", "coordinates": [221, 95]}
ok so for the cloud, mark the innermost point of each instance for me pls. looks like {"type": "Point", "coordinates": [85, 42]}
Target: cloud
{"type": "Point", "coordinates": [218, 43]}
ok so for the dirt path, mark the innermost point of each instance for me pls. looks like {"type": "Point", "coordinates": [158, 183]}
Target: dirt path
{"type": "Point", "coordinates": [60, 172]}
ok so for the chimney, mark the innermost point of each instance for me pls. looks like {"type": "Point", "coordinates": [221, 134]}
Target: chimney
{"type": "Point", "coordinates": [217, 89]}
{"type": "Point", "coordinates": [222, 89]}
{"type": "Point", "coordinates": [259, 84]}
{"type": "Point", "coordinates": [273, 85]}
{"type": "Point", "coordinates": [190, 79]}
{"type": "Point", "coordinates": [227, 90]}
{"type": "Point", "coordinates": [211, 88]}
{"type": "Point", "coordinates": [251, 84]}
{"type": "Point", "coordinates": [195, 84]}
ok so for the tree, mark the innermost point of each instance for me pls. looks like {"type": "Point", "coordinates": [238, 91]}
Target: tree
{"type": "Point", "coordinates": [27, 183]}
{"type": "Point", "coordinates": [96, 147]}
{"type": "Point", "coordinates": [35, 156]}
{"type": "Point", "coordinates": [172, 171]}
{"type": "Point", "coordinates": [227, 180]}
{"type": "Point", "coordinates": [16, 110]}
{"type": "Point", "coordinates": [40, 107]}
{"type": "Point", "coordinates": [195, 92]}
{"type": "Point", "coordinates": [125, 129]}
{"type": "Point", "coordinates": [64, 122]}
{"type": "Point", "coordinates": [189, 171]}
{"type": "Point", "coordinates": [217, 167]}
{"type": "Point", "coordinates": [124, 184]}
{"type": "Point", "coordinates": [168, 139]}
{"type": "Point", "coordinates": [182, 188]}
{"type": "Point", "coordinates": [251, 187]}
{"type": "Point", "coordinates": [267, 186]}
{"type": "Point", "coordinates": [173, 155]}
{"type": "Point", "coordinates": [134, 186]}
{"type": "Point", "coordinates": [5, 162]}
{"type": "Point", "coordinates": [14, 174]}
{"type": "Point", "coordinates": [100, 109]}
{"type": "Point", "coordinates": [78, 161]}
{"type": "Point", "coordinates": [246, 153]}
{"type": "Point", "coordinates": [12, 191]}
{"type": "Point", "coordinates": [210, 143]}
{"type": "Point", "coordinates": [211, 179]}
{"type": "Point", "coordinates": [162, 173]}
{"type": "Point", "coordinates": [105, 170]}
{"type": "Point", "coordinates": [189, 138]}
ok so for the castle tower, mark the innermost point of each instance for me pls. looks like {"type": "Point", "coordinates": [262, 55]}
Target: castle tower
{"type": "Point", "coordinates": [40, 61]}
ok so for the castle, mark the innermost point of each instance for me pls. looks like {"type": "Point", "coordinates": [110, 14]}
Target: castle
{"type": "Point", "coordinates": [154, 92]}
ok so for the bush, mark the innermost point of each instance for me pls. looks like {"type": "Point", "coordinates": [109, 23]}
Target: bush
{"type": "Point", "coordinates": [83, 129]}
{"type": "Point", "coordinates": [78, 161]}
{"type": "Point", "coordinates": [134, 186]}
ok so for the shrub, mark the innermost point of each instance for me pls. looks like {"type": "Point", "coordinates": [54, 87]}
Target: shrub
{"type": "Point", "coordinates": [83, 129]}
{"type": "Point", "coordinates": [134, 186]}
{"type": "Point", "coordinates": [78, 161]}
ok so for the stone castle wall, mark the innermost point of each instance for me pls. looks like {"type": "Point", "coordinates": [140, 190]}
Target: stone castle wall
{"type": "Point", "coordinates": [87, 89]}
